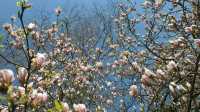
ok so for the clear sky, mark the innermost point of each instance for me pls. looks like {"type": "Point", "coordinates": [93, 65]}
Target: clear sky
{"type": "Point", "coordinates": [8, 7]}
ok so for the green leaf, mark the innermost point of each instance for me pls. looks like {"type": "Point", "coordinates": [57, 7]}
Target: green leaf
{"type": "Point", "coordinates": [19, 3]}
{"type": "Point", "coordinates": [1, 37]}
{"type": "Point", "coordinates": [1, 46]}
{"type": "Point", "coordinates": [58, 105]}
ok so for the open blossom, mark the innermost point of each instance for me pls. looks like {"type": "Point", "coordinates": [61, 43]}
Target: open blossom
{"type": "Point", "coordinates": [65, 107]}
{"type": "Point", "coordinates": [133, 90]}
{"type": "Point", "coordinates": [86, 68]}
{"type": "Point", "coordinates": [22, 75]}
{"type": "Point", "coordinates": [147, 4]}
{"type": "Point", "coordinates": [171, 65]}
{"type": "Point", "coordinates": [18, 42]}
{"type": "Point", "coordinates": [145, 80]}
{"type": "Point", "coordinates": [38, 98]}
{"type": "Point", "coordinates": [6, 78]}
{"type": "Point", "coordinates": [21, 90]}
{"type": "Point", "coordinates": [188, 29]}
{"type": "Point", "coordinates": [99, 64]}
{"type": "Point", "coordinates": [40, 59]}
{"type": "Point", "coordinates": [8, 27]}
{"type": "Point", "coordinates": [160, 74]}
{"type": "Point", "coordinates": [197, 42]}
{"type": "Point", "coordinates": [158, 3]}
{"type": "Point", "coordinates": [31, 26]}
{"type": "Point", "coordinates": [188, 85]}
{"type": "Point", "coordinates": [149, 72]}
{"type": "Point", "coordinates": [79, 108]}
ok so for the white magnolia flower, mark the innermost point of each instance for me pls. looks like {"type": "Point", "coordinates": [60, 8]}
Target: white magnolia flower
{"type": "Point", "coordinates": [171, 65]}
{"type": "Point", "coordinates": [31, 26]}
{"type": "Point", "coordinates": [79, 107]}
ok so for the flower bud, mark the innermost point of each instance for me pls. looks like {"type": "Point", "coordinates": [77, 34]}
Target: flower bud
{"type": "Point", "coordinates": [172, 86]}
{"type": "Point", "coordinates": [22, 75]}
{"type": "Point", "coordinates": [133, 90]}
{"type": "Point", "coordinates": [145, 80]}
{"type": "Point", "coordinates": [188, 85]}
{"type": "Point", "coordinates": [6, 78]}
{"type": "Point", "coordinates": [58, 11]}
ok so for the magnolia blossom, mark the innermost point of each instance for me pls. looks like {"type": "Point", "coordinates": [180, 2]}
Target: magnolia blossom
{"type": "Point", "coordinates": [38, 97]}
{"type": "Point", "coordinates": [99, 64]}
{"type": "Point", "coordinates": [58, 11]}
{"type": "Point", "coordinates": [172, 87]}
{"type": "Point", "coordinates": [137, 66]}
{"type": "Point", "coordinates": [197, 42]}
{"type": "Point", "coordinates": [21, 90]}
{"type": "Point", "coordinates": [188, 29]}
{"type": "Point", "coordinates": [158, 3]}
{"type": "Point", "coordinates": [188, 85]}
{"type": "Point", "coordinates": [145, 80]}
{"type": "Point", "coordinates": [133, 90]}
{"type": "Point", "coordinates": [79, 108]}
{"type": "Point", "coordinates": [40, 59]}
{"type": "Point", "coordinates": [65, 107]}
{"type": "Point", "coordinates": [22, 75]}
{"type": "Point", "coordinates": [8, 27]}
{"type": "Point", "coordinates": [160, 74]}
{"type": "Point", "coordinates": [147, 4]}
{"type": "Point", "coordinates": [149, 72]}
{"type": "Point", "coordinates": [18, 42]}
{"type": "Point", "coordinates": [171, 65]}
{"type": "Point", "coordinates": [109, 101]}
{"type": "Point", "coordinates": [31, 26]}
{"type": "Point", "coordinates": [181, 88]}
{"type": "Point", "coordinates": [6, 78]}
{"type": "Point", "coordinates": [85, 68]}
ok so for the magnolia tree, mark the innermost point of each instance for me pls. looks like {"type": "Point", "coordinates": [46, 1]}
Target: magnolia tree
{"type": "Point", "coordinates": [164, 52]}
{"type": "Point", "coordinates": [142, 56]}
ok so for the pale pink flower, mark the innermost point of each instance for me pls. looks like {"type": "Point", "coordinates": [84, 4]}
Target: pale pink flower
{"type": "Point", "coordinates": [160, 74]}
{"type": "Point", "coordinates": [79, 107]}
{"type": "Point", "coordinates": [21, 90]}
{"type": "Point", "coordinates": [40, 59]}
{"type": "Point", "coordinates": [145, 80]}
{"type": "Point", "coordinates": [65, 107]}
{"type": "Point", "coordinates": [38, 98]}
{"type": "Point", "coordinates": [188, 29]}
{"type": "Point", "coordinates": [31, 26]}
{"type": "Point", "coordinates": [149, 72]}
{"type": "Point", "coordinates": [6, 78]}
{"type": "Point", "coordinates": [133, 90]}
{"type": "Point", "coordinates": [172, 87]}
{"type": "Point", "coordinates": [22, 75]}
{"type": "Point", "coordinates": [171, 65]}
{"type": "Point", "coordinates": [188, 85]}
{"type": "Point", "coordinates": [197, 42]}
{"type": "Point", "coordinates": [147, 4]}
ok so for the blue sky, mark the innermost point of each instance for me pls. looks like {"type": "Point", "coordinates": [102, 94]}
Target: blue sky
{"type": "Point", "coordinates": [8, 7]}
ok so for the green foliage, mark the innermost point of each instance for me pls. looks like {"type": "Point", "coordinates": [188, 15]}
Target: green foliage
{"type": "Point", "coordinates": [1, 39]}
{"type": "Point", "coordinates": [24, 4]}
{"type": "Point", "coordinates": [58, 105]}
